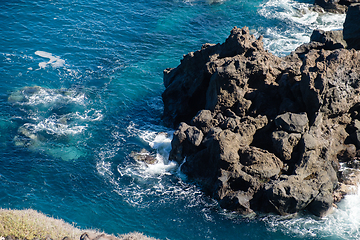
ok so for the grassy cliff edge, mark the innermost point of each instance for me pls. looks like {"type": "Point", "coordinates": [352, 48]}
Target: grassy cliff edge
{"type": "Point", "coordinates": [30, 224]}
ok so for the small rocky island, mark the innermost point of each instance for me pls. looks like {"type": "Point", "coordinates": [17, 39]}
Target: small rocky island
{"type": "Point", "coordinates": [265, 133]}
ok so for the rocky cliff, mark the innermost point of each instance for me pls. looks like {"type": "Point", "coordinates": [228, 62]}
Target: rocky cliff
{"type": "Point", "coordinates": [333, 6]}
{"type": "Point", "coordinates": [265, 133]}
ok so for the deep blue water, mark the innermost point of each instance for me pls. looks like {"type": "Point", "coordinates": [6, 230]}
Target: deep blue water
{"type": "Point", "coordinates": [81, 85]}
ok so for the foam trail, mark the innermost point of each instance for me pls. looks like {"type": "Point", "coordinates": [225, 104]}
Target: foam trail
{"type": "Point", "coordinates": [54, 61]}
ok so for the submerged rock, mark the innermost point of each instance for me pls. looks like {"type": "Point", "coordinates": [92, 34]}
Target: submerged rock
{"type": "Point", "coordinates": [143, 156]}
{"type": "Point", "coordinates": [260, 132]}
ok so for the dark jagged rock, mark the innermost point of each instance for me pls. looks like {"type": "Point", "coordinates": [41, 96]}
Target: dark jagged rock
{"type": "Point", "coordinates": [331, 39]}
{"type": "Point", "coordinates": [284, 144]}
{"type": "Point", "coordinates": [260, 132]}
{"type": "Point", "coordinates": [333, 6]}
{"type": "Point", "coordinates": [96, 236]}
{"type": "Point", "coordinates": [292, 122]}
{"type": "Point", "coordinates": [143, 156]}
{"type": "Point", "coordinates": [352, 27]}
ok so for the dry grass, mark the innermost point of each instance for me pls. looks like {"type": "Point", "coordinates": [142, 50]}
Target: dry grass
{"type": "Point", "coordinates": [135, 236]}
{"type": "Point", "coordinates": [30, 224]}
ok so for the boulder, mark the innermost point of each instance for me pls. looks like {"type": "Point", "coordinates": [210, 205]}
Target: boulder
{"type": "Point", "coordinates": [143, 156]}
{"type": "Point", "coordinates": [259, 163]}
{"type": "Point", "coordinates": [331, 39]}
{"type": "Point", "coordinates": [185, 141]}
{"type": "Point", "coordinates": [347, 154]}
{"type": "Point", "coordinates": [237, 187]}
{"type": "Point", "coordinates": [284, 144]}
{"type": "Point", "coordinates": [204, 120]}
{"type": "Point", "coordinates": [217, 77]}
{"type": "Point", "coordinates": [292, 122]}
{"type": "Point", "coordinates": [97, 236]}
{"type": "Point", "coordinates": [246, 126]}
{"type": "Point", "coordinates": [350, 176]}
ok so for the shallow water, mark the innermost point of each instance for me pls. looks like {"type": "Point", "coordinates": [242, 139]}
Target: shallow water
{"type": "Point", "coordinates": [81, 85]}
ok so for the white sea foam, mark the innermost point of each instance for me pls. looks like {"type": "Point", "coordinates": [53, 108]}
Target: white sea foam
{"type": "Point", "coordinates": [58, 126]}
{"type": "Point", "coordinates": [299, 20]}
{"type": "Point", "coordinates": [55, 119]}
{"type": "Point", "coordinates": [161, 143]}
{"type": "Point", "coordinates": [36, 95]}
{"type": "Point", "coordinates": [343, 223]}
{"type": "Point", "coordinates": [282, 43]}
{"type": "Point", "coordinates": [104, 168]}
{"type": "Point", "coordinates": [301, 13]}
{"type": "Point", "coordinates": [91, 115]}
{"type": "Point", "coordinates": [54, 61]}
{"type": "Point", "coordinates": [146, 181]}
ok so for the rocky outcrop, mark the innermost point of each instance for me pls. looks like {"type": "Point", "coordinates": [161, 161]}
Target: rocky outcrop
{"type": "Point", "coordinates": [264, 133]}
{"type": "Point", "coordinates": [332, 39]}
{"type": "Point", "coordinates": [333, 6]}
{"type": "Point", "coordinates": [352, 27]}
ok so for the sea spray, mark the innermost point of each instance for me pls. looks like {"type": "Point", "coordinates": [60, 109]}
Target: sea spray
{"type": "Point", "coordinates": [297, 21]}
{"type": "Point", "coordinates": [343, 223]}
{"type": "Point", "coordinates": [52, 120]}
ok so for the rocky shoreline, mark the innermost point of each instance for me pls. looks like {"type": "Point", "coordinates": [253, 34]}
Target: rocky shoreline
{"type": "Point", "coordinates": [265, 133]}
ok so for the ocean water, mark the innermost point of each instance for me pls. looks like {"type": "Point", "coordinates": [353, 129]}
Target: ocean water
{"type": "Point", "coordinates": [80, 99]}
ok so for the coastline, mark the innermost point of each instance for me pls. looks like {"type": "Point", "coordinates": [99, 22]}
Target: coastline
{"type": "Point", "coordinates": [107, 166]}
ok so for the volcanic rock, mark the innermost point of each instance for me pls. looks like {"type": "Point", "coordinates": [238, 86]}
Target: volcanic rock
{"type": "Point", "coordinates": [264, 133]}
{"type": "Point", "coordinates": [333, 6]}
{"type": "Point", "coordinates": [331, 39]}
{"type": "Point", "coordinates": [352, 27]}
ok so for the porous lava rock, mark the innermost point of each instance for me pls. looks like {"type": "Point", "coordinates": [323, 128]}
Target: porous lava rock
{"type": "Point", "coordinates": [265, 133]}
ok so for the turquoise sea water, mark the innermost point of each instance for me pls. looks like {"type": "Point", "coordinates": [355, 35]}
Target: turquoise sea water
{"type": "Point", "coordinates": [81, 85]}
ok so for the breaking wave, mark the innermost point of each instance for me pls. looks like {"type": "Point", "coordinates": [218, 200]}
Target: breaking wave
{"type": "Point", "coordinates": [53, 121]}
{"type": "Point", "coordinates": [295, 23]}
{"type": "Point", "coordinates": [343, 223]}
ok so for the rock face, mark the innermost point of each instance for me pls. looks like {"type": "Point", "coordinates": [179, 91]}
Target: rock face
{"type": "Point", "coordinates": [333, 6]}
{"type": "Point", "coordinates": [352, 27]}
{"type": "Point", "coordinates": [264, 133]}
